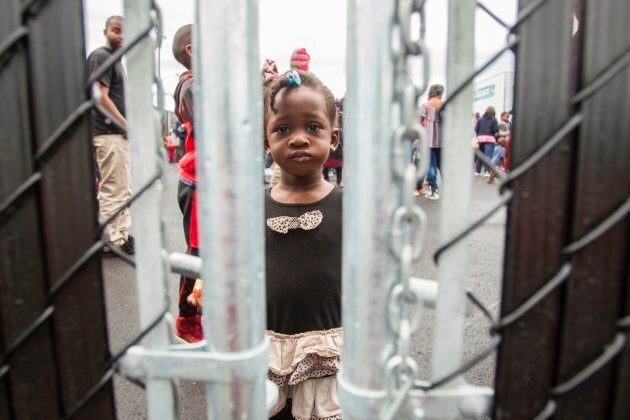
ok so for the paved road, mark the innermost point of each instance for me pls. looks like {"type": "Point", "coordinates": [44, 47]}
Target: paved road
{"type": "Point", "coordinates": [483, 270]}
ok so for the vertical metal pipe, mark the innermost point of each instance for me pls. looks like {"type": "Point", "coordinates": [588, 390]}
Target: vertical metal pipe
{"type": "Point", "coordinates": [144, 143]}
{"type": "Point", "coordinates": [368, 195]}
{"type": "Point", "coordinates": [228, 119]}
{"type": "Point", "coordinates": [456, 192]}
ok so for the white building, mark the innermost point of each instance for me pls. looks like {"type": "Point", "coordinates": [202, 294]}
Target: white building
{"type": "Point", "coordinates": [496, 91]}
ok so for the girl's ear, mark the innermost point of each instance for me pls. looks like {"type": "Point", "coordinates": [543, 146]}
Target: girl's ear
{"type": "Point", "coordinates": [189, 49]}
{"type": "Point", "coordinates": [266, 144]}
{"type": "Point", "coordinates": [334, 139]}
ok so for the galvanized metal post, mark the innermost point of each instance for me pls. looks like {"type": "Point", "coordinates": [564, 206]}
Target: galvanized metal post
{"type": "Point", "coordinates": [228, 130]}
{"type": "Point", "coordinates": [144, 141]}
{"type": "Point", "coordinates": [456, 192]}
{"type": "Point", "coordinates": [367, 268]}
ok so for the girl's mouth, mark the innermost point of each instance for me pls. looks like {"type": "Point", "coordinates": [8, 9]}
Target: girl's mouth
{"type": "Point", "coordinates": [300, 156]}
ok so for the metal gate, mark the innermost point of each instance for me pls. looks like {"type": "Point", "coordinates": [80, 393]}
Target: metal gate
{"type": "Point", "coordinates": [562, 333]}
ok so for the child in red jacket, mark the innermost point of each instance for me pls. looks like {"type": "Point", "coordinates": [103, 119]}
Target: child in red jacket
{"type": "Point", "coordinates": [188, 323]}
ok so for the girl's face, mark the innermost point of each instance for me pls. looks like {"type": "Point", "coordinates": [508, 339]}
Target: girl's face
{"type": "Point", "coordinates": [299, 135]}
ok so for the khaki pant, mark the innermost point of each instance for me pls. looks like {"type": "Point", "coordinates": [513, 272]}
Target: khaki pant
{"type": "Point", "coordinates": [112, 158]}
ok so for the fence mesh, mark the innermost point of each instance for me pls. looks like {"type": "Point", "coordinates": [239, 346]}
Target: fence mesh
{"type": "Point", "coordinates": [11, 206]}
{"type": "Point", "coordinates": [15, 42]}
{"type": "Point", "coordinates": [509, 189]}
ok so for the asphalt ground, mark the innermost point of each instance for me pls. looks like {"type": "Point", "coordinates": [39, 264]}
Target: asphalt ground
{"type": "Point", "coordinates": [483, 272]}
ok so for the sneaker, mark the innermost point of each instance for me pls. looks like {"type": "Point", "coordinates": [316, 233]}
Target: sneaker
{"type": "Point", "coordinates": [419, 192]}
{"type": "Point", "coordinates": [189, 328]}
{"type": "Point", "coordinates": [434, 194]}
{"type": "Point", "coordinates": [477, 173]}
{"type": "Point", "coordinates": [129, 246]}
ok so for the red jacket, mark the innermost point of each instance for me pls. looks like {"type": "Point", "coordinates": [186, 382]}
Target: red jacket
{"type": "Point", "coordinates": [185, 111]}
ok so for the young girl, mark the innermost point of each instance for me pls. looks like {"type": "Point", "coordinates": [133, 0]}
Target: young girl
{"type": "Point", "coordinates": [486, 130]}
{"type": "Point", "coordinates": [303, 249]}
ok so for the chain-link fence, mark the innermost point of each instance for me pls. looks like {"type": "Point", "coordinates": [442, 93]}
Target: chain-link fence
{"type": "Point", "coordinates": [561, 336]}
{"type": "Point", "coordinates": [53, 305]}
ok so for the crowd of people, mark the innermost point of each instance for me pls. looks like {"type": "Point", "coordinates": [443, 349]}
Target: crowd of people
{"type": "Point", "coordinates": [491, 137]}
{"type": "Point", "coordinates": [302, 136]}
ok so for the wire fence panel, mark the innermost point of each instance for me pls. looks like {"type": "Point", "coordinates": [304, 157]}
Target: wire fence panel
{"type": "Point", "coordinates": [562, 335]}
{"type": "Point", "coordinates": [47, 219]}
{"type": "Point", "coordinates": [595, 290]}
{"type": "Point", "coordinates": [22, 272]}
{"type": "Point", "coordinates": [579, 326]}
{"type": "Point", "coordinates": [538, 218]}
{"type": "Point", "coordinates": [67, 189]}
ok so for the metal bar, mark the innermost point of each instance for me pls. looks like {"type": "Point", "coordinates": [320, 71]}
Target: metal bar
{"type": "Point", "coordinates": [186, 265]}
{"type": "Point", "coordinates": [493, 15]}
{"type": "Point", "coordinates": [151, 275]}
{"type": "Point", "coordinates": [368, 269]}
{"type": "Point", "coordinates": [139, 363]}
{"type": "Point", "coordinates": [456, 195]}
{"type": "Point", "coordinates": [539, 215]}
{"type": "Point", "coordinates": [599, 276]}
{"type": "Point", "coordinates": [229, 140]}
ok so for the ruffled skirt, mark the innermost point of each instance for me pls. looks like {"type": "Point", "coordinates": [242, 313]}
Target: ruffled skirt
{"type": "Point", "coordinates": [304, 366]}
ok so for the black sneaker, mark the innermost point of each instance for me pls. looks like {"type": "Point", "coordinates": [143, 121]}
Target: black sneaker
{"type": "Point", "coordinates": [129, 247]}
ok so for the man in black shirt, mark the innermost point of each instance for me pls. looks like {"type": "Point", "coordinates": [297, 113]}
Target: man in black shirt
{"type": "Point", "coordinates": [110, 142]}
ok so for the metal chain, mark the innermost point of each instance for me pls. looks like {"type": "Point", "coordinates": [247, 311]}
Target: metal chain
{"type": "Point", "coordinates": [409, 222]}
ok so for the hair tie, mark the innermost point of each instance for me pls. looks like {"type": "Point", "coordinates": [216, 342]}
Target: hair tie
{"type": "Point", "coordinates": [294, 78]}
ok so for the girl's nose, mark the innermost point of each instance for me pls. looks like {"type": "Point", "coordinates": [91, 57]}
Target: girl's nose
{"type": "Point", "coordinates": [298, 140]}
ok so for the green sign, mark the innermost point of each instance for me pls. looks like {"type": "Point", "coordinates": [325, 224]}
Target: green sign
{"type": "Point", "coordinates": [484, 92]}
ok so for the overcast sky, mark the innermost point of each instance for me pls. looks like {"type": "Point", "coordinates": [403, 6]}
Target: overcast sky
{"type": "Point", "coordinates": [320, 27]}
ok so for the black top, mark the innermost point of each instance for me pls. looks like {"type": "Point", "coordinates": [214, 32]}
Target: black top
{"type": "Point", "coordinates": [114, 79]}
{"type": "Point", "coordinates": [304, 268]}
{"type": "Point", "coordinates": [487, 126]}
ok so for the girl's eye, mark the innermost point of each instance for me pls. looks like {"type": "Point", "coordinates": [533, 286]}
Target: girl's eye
{"type": "Point", "coordinates": [282, 130]}
{"type": "Point", "coordinates": [313, 127]}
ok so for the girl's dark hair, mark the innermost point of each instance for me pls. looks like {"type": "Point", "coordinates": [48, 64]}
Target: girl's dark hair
{"type": "Point", "coordinates": [490, 112]}
{"type": "Point", "coordinates": [271, 89]}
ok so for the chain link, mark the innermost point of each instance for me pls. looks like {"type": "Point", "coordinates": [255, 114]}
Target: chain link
{"type": "Point", "coordinates": [408, 222]}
